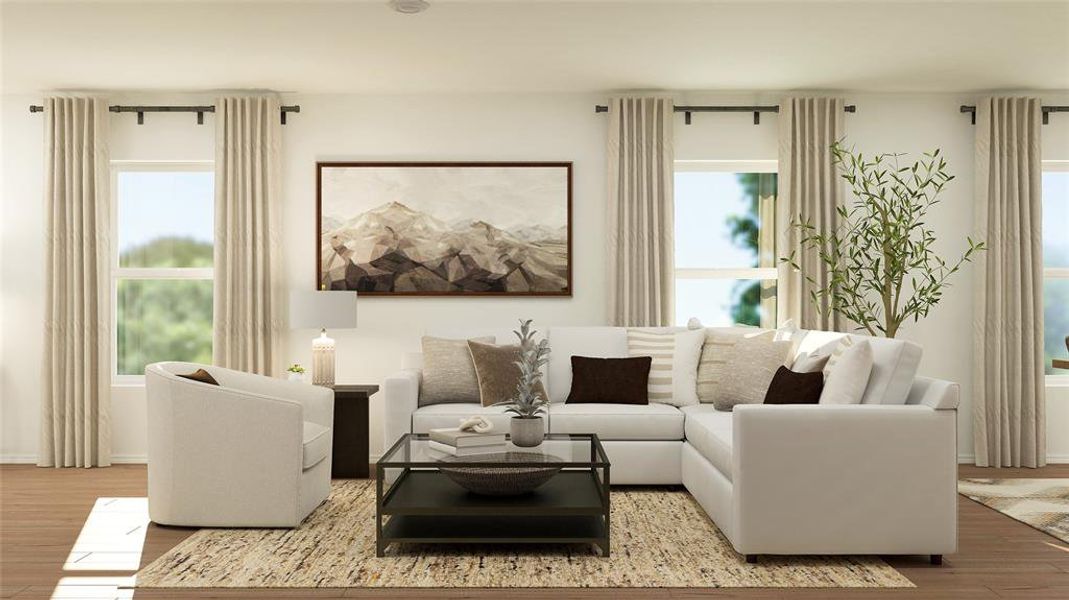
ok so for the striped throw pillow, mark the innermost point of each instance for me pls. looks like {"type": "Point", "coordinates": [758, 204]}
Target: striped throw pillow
{"type": "Point", "coordinates": [673, 370]}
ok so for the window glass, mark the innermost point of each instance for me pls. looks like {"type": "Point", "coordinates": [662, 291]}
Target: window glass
{"type": "Point", "coordinates": [163, 319]}
{"type": "Point", "coordinates": [165, 218]}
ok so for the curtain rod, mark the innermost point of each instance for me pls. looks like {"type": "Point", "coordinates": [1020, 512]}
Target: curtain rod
{"type": "Point", "coordinates": [756, 110]}
{"type": "Point", "coordinates": [1046, 110]}
{"type": "Point", "coordinates": [200, 110]}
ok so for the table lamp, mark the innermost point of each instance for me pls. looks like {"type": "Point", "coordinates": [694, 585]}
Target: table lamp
{"type": "Point", "coordinates": [322, 310]}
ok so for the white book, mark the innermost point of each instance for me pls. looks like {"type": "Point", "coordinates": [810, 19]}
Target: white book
{"type": "Point", "coordinates": [453, 436]}
{"type": "Point", "coordinates": [467, 450]}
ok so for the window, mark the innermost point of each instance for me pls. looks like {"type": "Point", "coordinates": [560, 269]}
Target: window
{"type": "Point", "coordinates": [725, 271]}
{"type": "Point", "coordinates": [1055, 266]}
{"type": "Point", "coordinates": [162, 215]}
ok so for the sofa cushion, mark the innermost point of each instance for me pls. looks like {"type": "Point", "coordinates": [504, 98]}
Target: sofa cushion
{"type": "Point", "coordinates": [675, 354]}
{"type": "Point", "coordinates": [315, 442]}
{"type": "Point", "coordinates": [709, 431]}
{"type": "Point", "coordinates": [497, 372]}
{"type": "Point", "coordinates": [717, 348]}
{"type": "Point", "coordinates": [610, 380]}
{"type": "Point", "coordinates": [894, 365]}
{"type": "Point", "coordinates": [448, 371]}
{"type": "Point", "coordinates": [847, 373]}
{"type": "Point", "coordinates": [618, 421]}
{"type": "Point", "coordinates": [566, 342]}
{"type": "Point", "coordinates": [433, 416]}
{"type": "Point", "coordinates": [749, 371]}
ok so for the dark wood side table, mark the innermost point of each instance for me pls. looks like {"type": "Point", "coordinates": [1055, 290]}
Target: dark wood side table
{"type": "Point", "coordinates": [350, 458]}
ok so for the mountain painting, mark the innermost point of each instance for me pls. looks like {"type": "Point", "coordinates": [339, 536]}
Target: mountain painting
{"type": "Point", "coordinates": [433, 229]}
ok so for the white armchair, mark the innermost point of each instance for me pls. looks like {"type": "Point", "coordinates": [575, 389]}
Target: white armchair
{"type": "Point", "coordinates": [253, 451]}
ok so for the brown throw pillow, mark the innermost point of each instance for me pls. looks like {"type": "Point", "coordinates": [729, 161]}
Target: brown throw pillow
{"type": "Point", "coordinates": [789, 387]}
{"type": "Point", "coordinates": [200, 375]}
{"type": "Point", "coordinates": [610, 380]}
{"type": "Point", "coordinates": [497, 372]}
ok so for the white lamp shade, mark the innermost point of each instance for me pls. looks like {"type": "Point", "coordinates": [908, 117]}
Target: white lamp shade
{"type": "Point", "coordinates": [322, 310]}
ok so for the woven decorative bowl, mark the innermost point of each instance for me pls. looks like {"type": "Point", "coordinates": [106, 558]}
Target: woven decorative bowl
{"type": "Point", "coordinates": [502, 481]}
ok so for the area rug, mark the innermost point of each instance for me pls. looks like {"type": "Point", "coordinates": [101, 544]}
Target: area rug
{"type": "Point", "coordinates": [1041, 503]}
{"type": "Point", "coordinates": [660, 538]}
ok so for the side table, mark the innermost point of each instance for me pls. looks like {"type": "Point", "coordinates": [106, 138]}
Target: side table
{"type": "Point", "coordinates": [350, 449]}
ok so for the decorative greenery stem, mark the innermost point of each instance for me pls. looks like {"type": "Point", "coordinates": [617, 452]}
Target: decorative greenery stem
{"type": "Point", "coordinates": [881, 247]}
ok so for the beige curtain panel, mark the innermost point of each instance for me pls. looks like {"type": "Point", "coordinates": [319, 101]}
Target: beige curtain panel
{"type": "Point", "coordinates": [641, 237]}
{"type": "Point", "coordinates": [75, 418]}
{"type": "Point", "coordinates": [1009, 426]}
{"type": "Point", "coordinates": [247, 317]}
{"type": "Point", "coordinates": [809, 188]}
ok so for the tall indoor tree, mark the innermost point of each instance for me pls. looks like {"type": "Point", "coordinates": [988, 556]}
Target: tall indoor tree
{"type": "Point", "coordinates": [882, 266]}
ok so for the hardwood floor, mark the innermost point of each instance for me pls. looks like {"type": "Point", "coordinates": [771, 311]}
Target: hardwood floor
{"type": "Point", "coordinates": [51, 547]}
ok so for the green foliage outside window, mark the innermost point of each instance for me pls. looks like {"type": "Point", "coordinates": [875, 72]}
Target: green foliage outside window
{"type": "Point", "coordinates": [164, 319]}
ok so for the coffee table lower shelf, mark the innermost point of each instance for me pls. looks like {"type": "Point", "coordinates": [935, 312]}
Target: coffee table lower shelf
{"type": "Point", "coordinates": [418, 529]}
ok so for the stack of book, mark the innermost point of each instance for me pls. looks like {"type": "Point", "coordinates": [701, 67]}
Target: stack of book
{"type": "Point", "coordinates": [455, 442]}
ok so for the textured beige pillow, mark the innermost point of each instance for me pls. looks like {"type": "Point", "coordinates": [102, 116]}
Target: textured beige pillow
{"type": "Point", "coordinates": [749, 370]}
{"type": "Point", "coordinates": [497, 372]}
{"type": "Point", "coordinates": [448, 372]}
{"type": "Point", "coordinates": [719, 342]}
{"type": "Point", "coordinates": [847, 373]}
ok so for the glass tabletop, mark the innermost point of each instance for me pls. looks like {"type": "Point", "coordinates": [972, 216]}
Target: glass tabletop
{"type": "Point", "coordinates": [558, 449]}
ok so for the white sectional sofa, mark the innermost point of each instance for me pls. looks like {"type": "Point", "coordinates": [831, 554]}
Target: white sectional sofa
{"type": "Point", "coordinates": [875, 478]}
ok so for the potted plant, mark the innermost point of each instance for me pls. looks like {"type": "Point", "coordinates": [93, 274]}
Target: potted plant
{"type": "Point", "coordinates": [882, 268]}
{"type": "Point", "coordinates": [527, 426]}
{"type": "Point", "coordinates": [295, 372]}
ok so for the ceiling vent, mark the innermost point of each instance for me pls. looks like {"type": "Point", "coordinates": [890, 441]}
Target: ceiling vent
{"type": "Point", "coordinates": [409, 7]}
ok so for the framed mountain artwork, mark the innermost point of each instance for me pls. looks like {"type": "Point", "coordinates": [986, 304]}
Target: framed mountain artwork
{"type": "Point", "coordinates": [444, 229]}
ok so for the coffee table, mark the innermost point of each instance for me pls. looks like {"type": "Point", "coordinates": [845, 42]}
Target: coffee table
{"type": "Point", "coordinates": [416, 503]}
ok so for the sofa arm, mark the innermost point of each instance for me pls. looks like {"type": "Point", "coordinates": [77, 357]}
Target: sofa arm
{"type": "Point", "coordinates": [934, 393]}
{"type": "Point", "coordinates": [860, 479]}
{"type": "Point", "coordinates": [401, 398]}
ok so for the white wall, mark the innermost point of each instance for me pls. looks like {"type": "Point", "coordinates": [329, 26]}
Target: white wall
{"type": "Point", "coordinates": [453, 127]}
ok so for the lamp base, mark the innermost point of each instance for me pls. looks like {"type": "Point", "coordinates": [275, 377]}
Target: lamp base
{"type": "Point", "coordinates": [323, 360]}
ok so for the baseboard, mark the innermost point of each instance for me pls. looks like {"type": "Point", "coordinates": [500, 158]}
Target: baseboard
{"type": "Point", "coordinates": [1052, 459]}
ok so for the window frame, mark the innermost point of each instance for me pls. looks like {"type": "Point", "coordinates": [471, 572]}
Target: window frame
{"type": "Point", "coordinates": [1055, 166]}
{"type": "Point", "coordinates": [118, 273]}
{"type": "Point", "coordinates": [729, 166]}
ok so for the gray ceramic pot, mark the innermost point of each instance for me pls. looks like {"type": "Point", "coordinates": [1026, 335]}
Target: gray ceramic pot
{"type": "Point", "coordinates": [527, 433]}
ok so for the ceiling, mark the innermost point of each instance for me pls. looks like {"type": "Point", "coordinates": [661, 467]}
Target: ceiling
{"type": "Point", "coordinates": [514, 46]}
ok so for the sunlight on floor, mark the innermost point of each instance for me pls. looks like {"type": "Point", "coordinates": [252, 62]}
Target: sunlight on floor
{"type": "Point", "coordinates": [1061, 547]}
{"type": "Point", "coordinates": [111, 539]}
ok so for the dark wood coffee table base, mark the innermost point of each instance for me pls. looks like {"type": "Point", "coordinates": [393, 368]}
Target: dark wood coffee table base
{"type": "Point", "coordinates": [425, 506]}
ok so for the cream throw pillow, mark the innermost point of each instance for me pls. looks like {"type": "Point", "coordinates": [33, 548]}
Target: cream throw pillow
{"type": "Point", "coordinates": [847, 372]}
{"type": "Point", "coordinates": [749, 370]}
{"type": "Point", "coordinates": [448, 371]}
{"type": "Point", "coordinates": [673, 371]}
{"type": "Point", "coordinates": [717, 349]}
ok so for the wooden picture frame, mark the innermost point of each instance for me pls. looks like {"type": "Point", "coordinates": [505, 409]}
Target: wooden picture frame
{"type": "Point", "coordinates": [428, 228]}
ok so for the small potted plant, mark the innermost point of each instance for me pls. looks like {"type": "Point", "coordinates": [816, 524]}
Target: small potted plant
{"type": "Point", "coordinates": [295, 372]}
{"type": "Point", "coordinates": [527, 426]}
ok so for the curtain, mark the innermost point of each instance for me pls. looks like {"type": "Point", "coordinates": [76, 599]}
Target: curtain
{"type": "Point", "coordinates": [809, 188]}
{"type": "Point", "coordinates": [1009, 427]}
{"type": "Point", "coordinates": [75, 419]}
{"type": "Point", "coordinates": [640, 212]}
{"type": "Point", "coordinates": [247, 316]}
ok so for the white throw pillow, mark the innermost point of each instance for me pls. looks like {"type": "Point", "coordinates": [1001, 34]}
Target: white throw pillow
{"type": "Point", "coordinates": [674, 370]}
{"type": "Point", "coordinates": [847, 372]}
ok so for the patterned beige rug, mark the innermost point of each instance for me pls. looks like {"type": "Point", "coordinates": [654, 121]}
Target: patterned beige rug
{"type": "Point", "coordinates": [1041, 503]}
{"type": "Point", "coordinates": [660, 538]}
